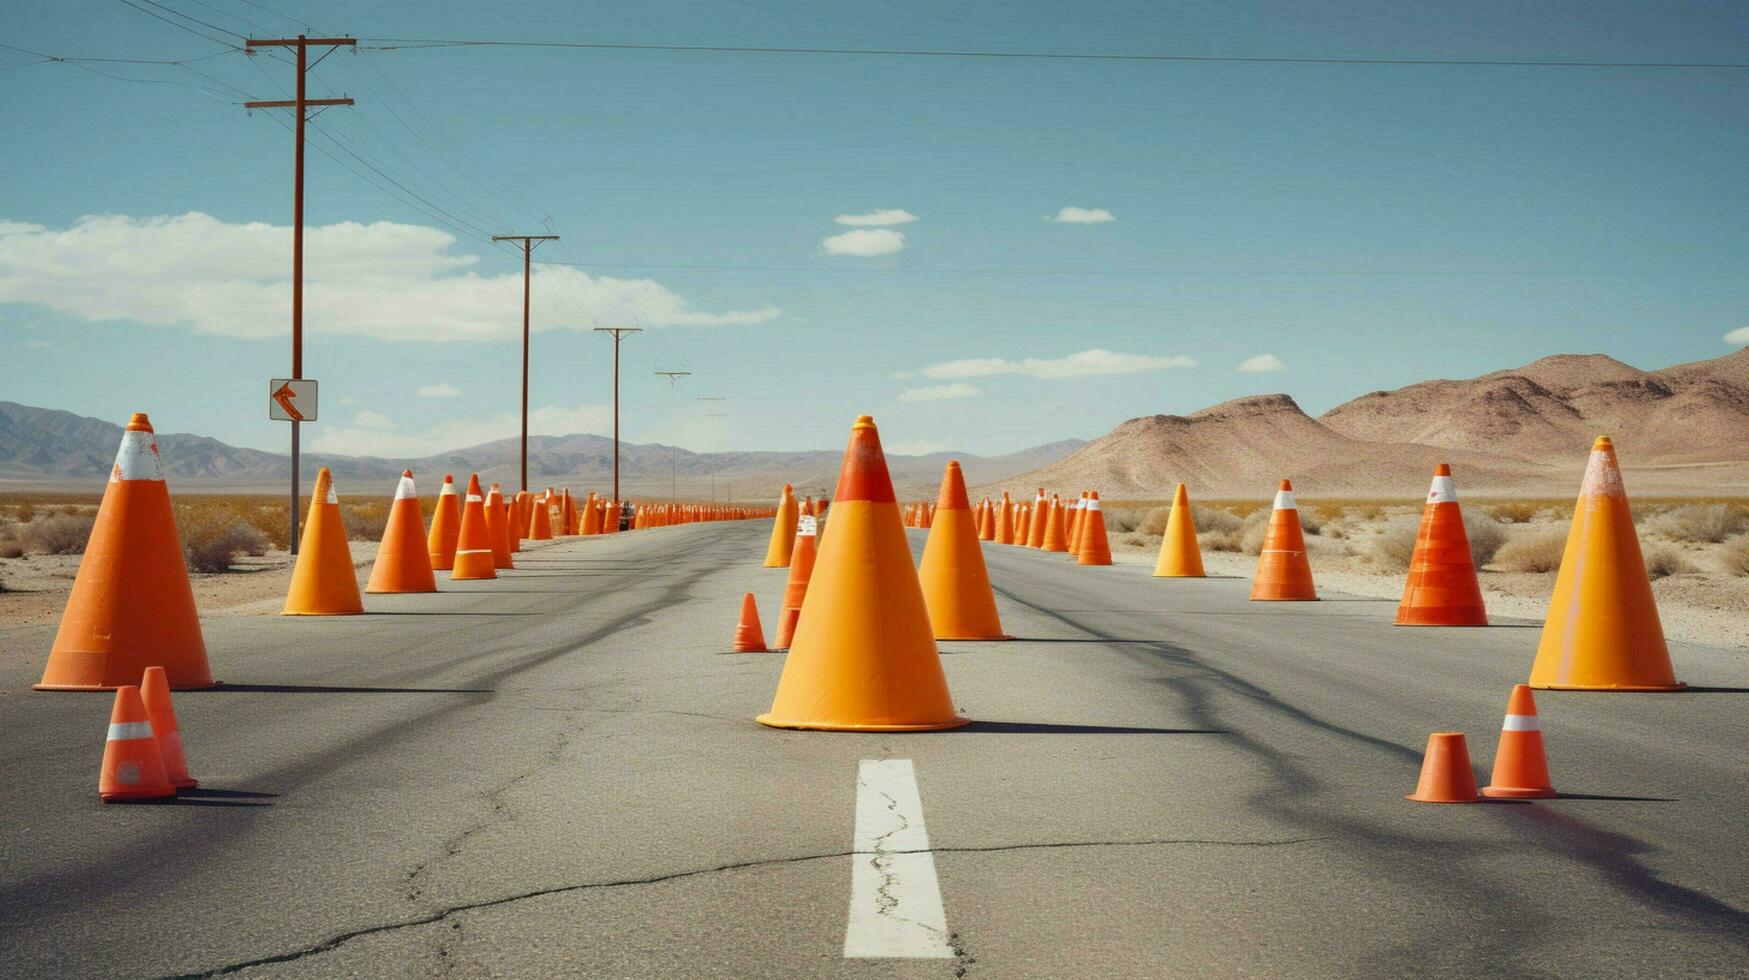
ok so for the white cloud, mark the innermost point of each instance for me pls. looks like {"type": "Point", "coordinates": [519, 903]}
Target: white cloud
{"type": "Point", "coordinates": [386, 280]}
{"type": "Point", "coordinates": [888, 216]}
{"type": "Point", "coordinates": [439, 391]}
{"type": "Point", "coordinates": [1738, 336]}
{"type": "Point", "coordinates": [917, 447]}
{"type": "Point", "coordinates": [1077, 365]}
{"type": "Point", "coordinates": [1082, 216]}
{"type": "Point", "coordinates": [1261, 363]}
{"type": "Point", "coordinates": [939, 393]}
{"type": "Point", "coordinates": [865, 242]}
{"type": "Point", "coordinates": [903, 375]}
{"type": "Point", "coordinates": [366, 436]}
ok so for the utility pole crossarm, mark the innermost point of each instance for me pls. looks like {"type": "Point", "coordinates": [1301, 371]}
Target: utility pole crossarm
{"type": "Point", "coordinates": [293, 103]}
{"type": "Point", "coordinates": [292, 42]}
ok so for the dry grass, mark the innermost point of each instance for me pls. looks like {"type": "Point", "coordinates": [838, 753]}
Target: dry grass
{"type": "Point", "coordinates": [1394, 545]}
{"type": "Point", "coordinates": [1533, 549]}
{"type": "Point", "coordinates": [217, 549]}
{"type": "Point", "coordinates": [55, 533]}
{"type": "Point", "coordinates": [1155, 522]}
{"type": "Point", "coordinates": [1486, 535]}
{"type": "Point", "coordinates": [1699, 523]}
{"type": "Point", "coordinates": [1734, 556]}
{"type": "Point", "coordinates": [1664, 560]}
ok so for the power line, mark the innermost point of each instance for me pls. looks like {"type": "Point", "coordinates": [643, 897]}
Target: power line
{"type": "Point", "coordinates": [181, 27]}
{"type": "Point", "coordinates": [402, 44]}
{"type": "Point", "coordinates": [831, 270]}
{"type": "Point", "coordinates": [119, 61]}
{"type": "Point", "coordinates": [195, 20]}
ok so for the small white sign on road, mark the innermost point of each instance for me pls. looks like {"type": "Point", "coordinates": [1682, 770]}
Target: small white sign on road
{"type": "Point", "coordinates": [291, 400]}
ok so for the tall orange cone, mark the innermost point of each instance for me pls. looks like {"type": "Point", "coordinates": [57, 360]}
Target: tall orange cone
{"type": "Point", "coordinates": [986, 520]}
{"type": "Point", "coordinates": [1446, 774]}
{"type": "Point", "coordinates": [446, 526]}
{"type": "Point", "coordinates": [540, 520]}
{"type": "Point", "coordinates": [131, 604]}
{"type": "Point", "coordinates": [1035, 531]}
{"type": "Point", "coordinates": [783, 531]}
{"type": "Point", "coordinates": [1521, 770]}
{"type": "Point", "coordinates": [1005, 520]}
{"type": "Point", "coordinates": [155, 695]}
{"type": "Point", "coordinates": [324, 583]}
{"type": "Point", "coordinates": [592, 515]}
{"type": "Point", "coordinates": [1602, 632]}
{"type": "Point", "coordinates": [956, 585]}
{"type": "Point", "coordinates": [1095, 547]}
{"type": "Point", "coordinates": [473, 550]}
{"type": "Point", "coordinates": [749, 635]}
{"type": "Point", "coordinates": [403, 556]}
{"type": "Point", "coordinates": [801, 571]}
{"type": "Point", "coordinates": [864, 658]}
{"type": "Point", "coordinates": [498, 527]}
{"type": "Point", "coordinates": [1056, 540]}
{"type": "Point", "coordinates": [568, 513]}
{"type": "Point", "coordinates": [519, 516]}
{"type": "Point", "coordinates": [133, 768]}
{"type": "Point", "coordinates": [1180, 557]}
{"type": "Point", "coordinates": [1075, 514]}
{"type": "Point", "coordinates": [1283, 573]}
{"type": "Point", "coordinates": [1442, 589]}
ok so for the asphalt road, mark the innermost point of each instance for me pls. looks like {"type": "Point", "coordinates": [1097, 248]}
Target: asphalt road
{"type": "Point", "coordinates": [558, 774]}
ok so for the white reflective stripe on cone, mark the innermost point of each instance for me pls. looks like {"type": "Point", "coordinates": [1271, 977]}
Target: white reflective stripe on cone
{"type": "Point", "coordinates": [404, 489]}
{"type": "Point", "coordinates": [137, 459]}
{"type": "Point", "coordinates": [1092, 505]}
{"type": "Point", "coordinates": [1521, 723]}
{"type": "Point", "coordinates": [447, 488]}
{"type": "Point", "coordinates": [474, 551]}
{"type": "Point", "coordinates": [1284, 500]}
{"type": "Point", "coordinates": [1443, 491]}
{"type": "Point", "coordinates": [333, 497]}
{"type": "Point", "coordinates": [474, 498]}
{"type": "Point", "coordinates": [128, 730]}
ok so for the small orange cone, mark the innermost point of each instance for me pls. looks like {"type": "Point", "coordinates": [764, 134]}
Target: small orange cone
{"type": "Point", "coordinates": [540, 520]}
{"type": "Point", "coordinates": [1446, 775]}
{"type": "Point", "coordinates": [473, 550]}
{"type": "Point", "coordinates": [498, 528]}
{"type": "Point", "coordinates": [1602, 632]}
{"type": "Point", "coordinates": [518, 517]}
{"type": "Point", "coordinates": [1442, 589]}
{"type": "Point", "coordinates": [1095, 546]}
{"type": "Point", "coordinates": [592, 515]}
{"type": "Point", "coordinates": [568, 513]}
{"type": "Point", "coordinates": [1035, 531]}
{"type": "Point", "coordinates": [403, 561]}
{"type": "Point", "coordinates": [956, 585]}
{"type": "Point", "coordinates": [986, 520]}
{"type": "Point", "coordinates": [1180, 557]}
{"type": "Point", "coordinates": [801, 570]}
{"type": "Point", "coordinates": [1075, 514]}
{"type": "Point", "coordinates": [1283, 574]}
{"type": "Point", "coordinates": [155, 695]}
{"type": "Point", "coordinates": [1521, 770]}
{"type": "Point", "coordinates": [133, 768]}
{"type": "Point", "coordinates": [446, 526]}
{"type": "Point", "coordinates": [1005, 520]}
{"type": "Point", "coordinates": [783, 531]}
{"type": "Point", "coordinates": [864, 658]}
{"type": "Point", "coordinates": [131, 604]}
{"type": "Point", "coordinates": [1056, 540]}
{"type": "Point", "coordinates": [749, 635]}
{"type": "Point", "coordinates": [324, 583]}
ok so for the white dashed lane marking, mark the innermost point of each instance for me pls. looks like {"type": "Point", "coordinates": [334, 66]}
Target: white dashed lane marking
{"type": "Point", "coordinates": [895, 899]}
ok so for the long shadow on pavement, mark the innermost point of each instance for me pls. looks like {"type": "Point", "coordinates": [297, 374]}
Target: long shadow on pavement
{"type": "Point", "coordinates": [321, 689]}
{"type": "Point", "coordinates": [1045, 728]}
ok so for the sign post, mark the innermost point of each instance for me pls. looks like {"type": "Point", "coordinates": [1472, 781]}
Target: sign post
{"type": "Point", "coordinates": [292, 400]}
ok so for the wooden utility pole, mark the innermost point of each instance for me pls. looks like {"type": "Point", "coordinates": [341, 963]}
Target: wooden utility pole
{"type": "Point", "coordinates": [618, 335]}
{"type": "Point", "coordinates": [674, 450]}
{"type": "Point", "coordinates": [300, 104]}
{"type": "Point", "coordinates": [529, 244]}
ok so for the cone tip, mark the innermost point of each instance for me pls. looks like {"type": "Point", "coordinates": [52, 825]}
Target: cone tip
{"type": "Point", "coordinates": [1093, 495]}
{"type": "Point", "coordinates": [1443, 469]}
{"type": "Point", "coordinates": [1602, 443]}
{"type": "Point", "coordinates": [138, 422]}
{"type": "Point", "coordinates": [406, 474]}
{"type": "Point", "coordinates": [864, 422]}
{"type": "Point", "coordinates": [1287, 485]}
{"type": "Point", "coordinates": [449, 477]}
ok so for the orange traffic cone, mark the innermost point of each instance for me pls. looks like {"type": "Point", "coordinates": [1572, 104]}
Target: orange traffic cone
{"type": "Point", "coordinates": [131, 604]}
{"type": "Point", "coordinates": [1446, 776]}
{"type": "Point", "coordinates": [498, 528]}
{"type": "Point", "coordinates": [1521, 770]}
{"type": "Point", "coordinates": [540, 520]}
{"type": "Point", "coordinates": [1602, 632]}
{"type": "Point", "coordinates": [864, 658]}
{"type": "Point", "coordinates": [1075, 514]}
{"type": "Point", "coordinates": [1040, 515]}
{"type": "Point", "coordinates": [403, 556]}
{"type": "Point", "coordinates": [1056, 540]}
{"type": "Point", "coordinates": [1283, 574]}
{"type": "Point", "coordinates": [446, 526]}
{"type": "Point", "coordinates": [783, 531]}
{"type": "Point", "coordinates": [473, 550]}
{"type": "Point", "coordinates": [592, 515]}
{"type": "Point", "coordinates": [1005, 520]}
{"type": "Point", "coordinates": [518, 517]}
{"type": "Point", "coordinates": [155, 695]}
{"type": "Point", "coordinates": [1179, 555]}
{"type": "Point", "coordinates": [749, 635]}
{"type": "Point", "coordinates": [324, 583]}
{"type": "Point", "coordinates": [956, 585]}
{"type": "Point", "coordinates": [133, 768]}
{"type": "Point", "coordinates": [801, 570]}
{"type": "Point", "coordinates": [568, 513]}
{"type": "Point", "coordinates": [1095, 546]}
{"type": "Point", "coordinates": [1442, 589]}
{"type": "Point", "coordinates": [986, 520]}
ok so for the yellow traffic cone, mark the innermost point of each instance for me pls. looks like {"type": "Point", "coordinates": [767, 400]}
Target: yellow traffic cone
{"type": "Point", "coordinates": [1179, 555]}
{"type": "Point", "coordinates": [324, 583]}
{"type": "Point", "coordinates": [956, 585]}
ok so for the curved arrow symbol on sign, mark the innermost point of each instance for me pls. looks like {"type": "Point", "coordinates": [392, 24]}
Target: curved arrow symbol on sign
{"type": "Point", "coordinates": [284, 396]}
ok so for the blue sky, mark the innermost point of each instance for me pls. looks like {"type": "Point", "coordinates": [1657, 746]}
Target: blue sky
{"type": "Point", "coordinates": [1365, 226]}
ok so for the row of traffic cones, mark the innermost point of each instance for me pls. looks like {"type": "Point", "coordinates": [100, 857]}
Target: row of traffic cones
{"type": "Point", "coordinates": [1075, 528]}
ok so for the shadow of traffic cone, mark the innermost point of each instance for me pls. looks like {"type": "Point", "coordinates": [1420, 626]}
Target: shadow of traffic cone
{"type": "Point", "coordinates": [498, 528]}
{"type": "Point", "coordinates": [956, 585]}
{"type": "Point", "coordinates": [155, 695]}
{"type": "Point", "coordinates": [863, 658]}
{"type": "Point", "coordinates": [1095, 546]}
{"type": "Point", "coordinates": [1446, 775]}
{"type": "Point", "coordinates": [540, 520]}
{"type": "Point", "coordinates": [473, 550]}
{"type": "Point", "coordinates": [801, 571]}
{"type": "Point", "coordinates": [1442, 589]}
{"type": "Point", "coordinates": [446, 526]}
{"type": "Point", "coordinates": [1180, 557]}
{"type": "Point", "coordinates": [749, 635]}
{"type": "Point", "coordinates": [133, 767]}
{"type": "Point", "coordinates": [324, 583]}
{"type": "Point", "coordinates": [131, 604]}
{"type": "Point", "coordinates": [403, 562]}
{"type": "Point", "coordinates": [783, 531]}
{"type": "Point", "coordinates": [1283, 573]}
{"type": "Point", "coordinates": [1521, 769]}
{"type": "Point", "coordinates": [1602, 632]}
{"type": "Point", "coordinates": [1055, 538]}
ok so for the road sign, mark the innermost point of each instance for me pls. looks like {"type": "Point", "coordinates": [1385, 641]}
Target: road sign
{"type": "Point", "coordinates": [291, 401]}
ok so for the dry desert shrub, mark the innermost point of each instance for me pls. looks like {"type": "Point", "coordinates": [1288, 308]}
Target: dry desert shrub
{"type": "Point", "coordinates": [1533, 549]}
{"type": "Point", "coordinates": [1514, 511]}
{"type": "Point", "coordinates": [1699, 523]}
{"type": "Point", "coordinates": [1208, 519]}
{"type": "Point", "coordinates": [57, 534]}
{"type": "Point", "coordinates": [1253, 531]}
{"type": "Point", "coordinates": [1486, 536]}
{"type": "Point", "coordinates": [24, 512]}
{"type": "Point", "coordinates": [1394, 545]}
{"type": "Point", "coordinates": [365, 518]}
{"type": "Point", "coordinates": [1155, 521]}
{"type": "Point", "coordinates": [1735, 555]}
{"type": "Point", "coordinates": [1663, 560]}
{"type": "Point", "coordinates": [1310, 522]}
{"type": "Point", "coordinates": [215, 549]}
{"type": "Point", "coordinates": [1137, 540]}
